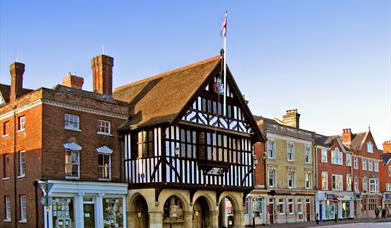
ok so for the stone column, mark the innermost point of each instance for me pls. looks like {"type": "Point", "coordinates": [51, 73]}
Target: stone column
{"type": "Point", "coordinates": [155, 219]}
{"type": "Point", "coordinates": [131, 218]}
{"type": "Point", "coordinates": [99, 210]}
{"type": "Point", "coordinates": [214, 219]}
{"type": "Point", "coordinates": [238, 219]}
{"type": "Point", "coordinates": [188, 217]}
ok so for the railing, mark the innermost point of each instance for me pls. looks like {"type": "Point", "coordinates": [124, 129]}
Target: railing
{"type": "Point", "coordinates": [289, 131]}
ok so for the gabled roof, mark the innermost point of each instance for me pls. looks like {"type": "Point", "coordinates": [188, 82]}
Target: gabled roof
{"type": "Point", "coordinates": [327, 141]}
{"type": "Point", "coordinates": [358, 140]}
{"type": "Point", "coordinates": [386, 157]}
{"type": "Point", "coordinates": [159, 99]}
{"type": "Point", "coordinates": [5, 93]}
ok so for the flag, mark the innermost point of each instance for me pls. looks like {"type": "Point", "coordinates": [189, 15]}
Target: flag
{"type": "Point", "coordinates": [218, 86]}
{"type": "Point", "coordinates": [223, 31]}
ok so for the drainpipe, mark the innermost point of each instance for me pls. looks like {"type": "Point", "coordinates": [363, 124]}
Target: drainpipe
{"type": "Point", "coordinates": [15, 173]}
{"type": "Point", "coordinates": [36, 203]}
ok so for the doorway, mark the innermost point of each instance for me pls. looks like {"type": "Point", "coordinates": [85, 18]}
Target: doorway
{"type": "Point", "coordinates": [89, 212]}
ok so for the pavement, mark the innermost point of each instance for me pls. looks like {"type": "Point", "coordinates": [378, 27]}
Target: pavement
{"type": "Point", "coordinates": [348, 223]}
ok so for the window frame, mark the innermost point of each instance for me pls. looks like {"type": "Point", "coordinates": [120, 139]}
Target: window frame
{"type": "Point", "coordinates": [22, 208]}
{"type": "Point", "coordinates": [68, 123]}
{"type": "Point", "coordinates": [21, 123]}
{"type": "Point", "coordinates": [356, 184]}
{"type": "Point", "coordinates": [324, 154]}
{"type": "Point", "coordinates": [370, 147]}
{"type": "Point", "coordinates": [364, 164]}
{"type": "Point", "coordinates": [326, 176]}
{"type": "Point", "coordinates": [274, 177]}
{"type": "Point", "coordinates": [336, 157]}
{"type": "Point", "coordinates": [349, 182]}
{"type": "Point", "coordinates": [291, 153]}
{"type": "Point", "coordinates": [292, 204]}
{"type": "Point", "coordinates": [7, 209]}
{"type": "Point", "coordinates": [308, 174]}
{"type": "Point", "coordinates": [355, 162]}
{"type": "Point", "coordinates": [272, 149]}
{"type": "Point", "coordinates": [293, 181]}
{"type": "Point", "coordinates": [22, 164]}
{"type": "Point", "coordinates": [100, 177]}
{"type": "Point", "coordinates": [307, 154]}
{"type": "Point", "coordinates": [281, 205]}
{"type": "Point", "coordinates": [5, 128]}
{"type": "Point", "coordinates": [299, 208]}
{"type": "Point", "coordinates": [72, 164]}
{"type": "Point", "coordinates": [375, 165]}
{"type": "Point", "coordinates": [373, 182]}
{"type": "Point", "coordinates": [348, 159]}
{"type": "Point", "coordinates": [101, 125]}
{"type": "Point", "coordinates": [365, 184]}
{"type": "Point", "coordinates": [337, 180]}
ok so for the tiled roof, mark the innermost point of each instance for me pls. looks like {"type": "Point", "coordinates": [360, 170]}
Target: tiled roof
{"type": "Point", "coordinates": [159, 99]}
{"type": "Point", "coordinates": [357, 140]}
{"type": "Point", "coordinates": [5, 92]}
{"type": "Point", "coordinates": [386, 157]}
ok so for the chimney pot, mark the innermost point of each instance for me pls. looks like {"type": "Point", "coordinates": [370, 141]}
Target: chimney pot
{"type": "Point", "coordinates": [73, 81]}
{"type": "Point", "coordinates": [16, 71]}
{"type": "Point", "coordinates": [291, 118]}
{"type": "Point", "coordinates": [102, 71]}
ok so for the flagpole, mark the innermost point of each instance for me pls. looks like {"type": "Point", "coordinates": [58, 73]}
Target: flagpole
{"type": "Point", "coordinates": [225, 68]}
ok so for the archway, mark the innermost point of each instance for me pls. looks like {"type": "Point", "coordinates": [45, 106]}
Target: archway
{"type": "Point", "coordinates": [201, 213]}
{"type": "Point", "coordinates": [141, 210]}
{"type": "Point", "coordinates": [173, 213]}
{"type": "Point", "coordinates": [226, 212]}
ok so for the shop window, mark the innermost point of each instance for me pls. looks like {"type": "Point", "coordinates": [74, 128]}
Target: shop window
{"type": "Point", "coordinates": [299, 205]}
{"type": "Point", "coordinates": [112, 212]}
{"type": "Point", "coordinates": [372, 204]}
{"type": "Point", "coordinates": [281, 206]}
{"type": "Point", "coordinates": [329, 210]}
{"type": "Point", "coordinates": [62, 211]}
{"type": "Point", "coordinates": [259, 206]}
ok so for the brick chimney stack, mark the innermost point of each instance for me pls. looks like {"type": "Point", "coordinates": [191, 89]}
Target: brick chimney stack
{"type": "Point", "coordinates": [387, 146]}
{"type": "Point", "coordinates": [102, 71]}
{"type": "Point", "coordinates": [347, 135]}
{"type": "Point", "coordinates": [16, 71]}
{"type": "Point", "coordinates": [73, 81]}
{"type": "Point", "coordinates": [291, 118]}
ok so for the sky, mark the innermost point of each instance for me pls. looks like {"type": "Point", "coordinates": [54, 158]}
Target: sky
{"type": "Point", "coordinates": [330, 59]}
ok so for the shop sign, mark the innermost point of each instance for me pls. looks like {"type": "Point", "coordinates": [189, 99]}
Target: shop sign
{"type": "Point", "coordinates": [358, 196]}
{"type": "Point", "coordinates": [331, 196]}
{"type": "Point", "coordinates": [387, 196]}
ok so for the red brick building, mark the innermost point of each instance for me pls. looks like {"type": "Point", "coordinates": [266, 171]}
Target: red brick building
{"type": "Point", "coordinates": [335, 197]}
{"type": "Point", "coordinates": [62, 141]}
{"type": "Point", "coordinates": [366, 170]}
{"type": "Point", "coordinates": [385, 179]}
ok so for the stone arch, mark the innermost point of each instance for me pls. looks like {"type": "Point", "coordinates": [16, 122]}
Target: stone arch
{"type": "Point", "coordinates": [210, 198]}
{"type": "Point", "coordinates": [237, 219]}
{"type": "Point", "coordinates": [137, 210]}
{"type": "Point", "coordinates": [234, 197]}
{"type": "Point", "coordinates": [181, 194]}
{"type": "Point", "coordinates": [132, 199]}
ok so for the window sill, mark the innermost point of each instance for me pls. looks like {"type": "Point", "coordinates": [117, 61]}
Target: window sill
{"type": "Point", "coordinates": [22, 130]}
{"type": "Point", "coordinates": [23, 221]}
{"type": "Point", "coordinates": [104, 179]}
{"type": "Point", "coordinates": [71, 178]}
{"type": "Point", "coordinates": [7, 220]}
{"type": "Point", "coordinates": [19, 177]}
{"type": "Point", "coordinates": [72, 129]}
{"type": "Point", "coordinates": [104, 134]}
{"type": "Point", "coordinates": [6, 178]}
{"type": "Point", "coordinates": [5, 135]}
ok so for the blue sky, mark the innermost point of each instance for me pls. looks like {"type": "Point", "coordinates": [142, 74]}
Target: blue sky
{"type": "Point", "coordinates": [330, 59]}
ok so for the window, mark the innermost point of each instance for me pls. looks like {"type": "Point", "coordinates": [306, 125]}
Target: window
{"type": "Point", "coordinates": [369, 147]}
{"type": "Point", "coordinates": [290, 206]}
{"type": "Point", "coordinates": [22, 164]}
{"type": "Point", "coordinates": [291, 151]}
{"type": "Point", "coordinates": [336, 156]}
{"type": "Point", "coordinates": [348, 159]}
{"type": "Point", "coordinates": [72, 163]}
{"type": "Point", "coordinates": [291, 179]}
{"type": "Point", "coordinates": [104, 127]}
{"type": "Point", "coordinates": [145, 146]}
{"type": "Point", "coordinates": [365, 184]}
{"type": "Point", "coordinates": [355, 162]}
{"type": "Point", "coordinates": [104, 166]}
{"type": "Point", "coordinates": [6, 128]}
{"type": "Point", "coordinates": [372, 204]}
{"type": "Point", "coordinates": [376, 166]}
{"type": "Point", "coordinates": [370, 165]}
{"type": "Point", "coordinates": [7, 209]}
{"type": "Point", "coordinates": [22, 123]}
{"type": "Point", "coordinates": [388, 187]}
{"type": "Point", "coordinates": [337, 182]}
{"type": "Point", "coordinates": [23, 208]}
{"type": "Point", "coordinates": [324, 155]}
{"type": "Point", "coordinates": [348, 182]}
{"type": "Point", "coordinates": [272, 177]}
{"type": "Point", "coordinates": [281, 206]}
{"type": "Point", "coordinates": [307, 154]}
{"type": "Point", "coordinates": [271, 148]}
{"type": "Point", "coordinates": [325, 181]}
{"type": "Point", "coordinates": [364, 164]}
{"type": "Point", "coordinates": [72, 122]}
{"type": "Point", "coordinates": [373, 185]}
{"type": "Point", "coordinates": [299, 205]}
{"type": "Point", "coordinates": [356, 184]}
{"type": "Point", "coordinates": [6, 166]}
{"type": "Point", "coordinates": [308, 180]}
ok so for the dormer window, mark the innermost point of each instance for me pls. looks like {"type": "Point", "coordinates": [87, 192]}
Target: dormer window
{"type": "Point", "coordinates": [369, 147]}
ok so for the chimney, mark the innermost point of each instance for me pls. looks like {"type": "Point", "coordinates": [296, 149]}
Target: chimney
{"type": "Point", "coordinates": [102, 71]}
{"type": "Point", "coordinates": [347, 136]}
{"type": "Point", "coordinates": [16, 70]}
{"type": "Point", "coordinates": [73, 81]}
{"type": "Point", "coordinates": [387, 146]}
{"type": "Point", "coordinates": [291, 118]}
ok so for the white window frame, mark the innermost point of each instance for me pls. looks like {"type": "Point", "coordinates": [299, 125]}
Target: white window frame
{"type": "Point", "coordinates": [281, 204]}
{"type": "Point", "coordinates": [299, 203]}
{"type": "Point", "coordinates": [370, 165]}
{"type": "Point", "coordinates": [355, 160]}
{"type": "Point", "coordinates": [388, 187]}
{"type": "Point", "coordinates": [104, 127]}
{"type": "Point", "coordinates": [307, 154]}
{"type": "Point", "coordinates": [336, 157]}
{"type": "Point", "coordinates": [72, 164]}
{"type": "Point", "coordinates": [23, 208]}
{"type": "Point", "coordinates": [337, 180]}
{"type": "Point", "coordinates": [22, 164]}
{"type": "Point", "coordinates": [365, 184]}
{"type": "Point", "coordinates": [291, 202]}
{"type": "Point", "coordinates": [349, 182]}
{"type": "Point", "coordinates": [348, 159]}
{"type": "Point", "coordinates": [370, 147]}
{"type": "Point", "coordinates": [271, 148]}
{"type": "Point", "coordinates": [326, 176]}
{"type": "Point", "coordinates": [70, 120]}
{"type": "Point", "coordinates": [293, 181]}
{"type": "Point", "coordinates": [356, 184]}
{"type": "Point", "coordinates": [308, 183]}
{"type": "Point", "coordinates": [7, 208]}
{"type": "Point", "coordinates": [323, 154]}
{"type": "Point", "coordinates": [22, 123]}
{"type": "Point", "coordinates": [364, 163]}
{"type": "Point", "coordinates": [375, 165]}
{"type": "Point", "coordinates": [274, 177]}
{"type": "Point", "coordinates": [290, 153]}
{"type": "Point", "coordinates": [103, 167]}
{"type": "Point", "coordinates": [373, 185]}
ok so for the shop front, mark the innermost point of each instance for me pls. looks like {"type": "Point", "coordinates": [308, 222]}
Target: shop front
{"type": "Point", "coordinates": [387, 202]}
{"type": "Point", "coordinates": [85, 204]}
{"type": "Point", "coordinates": [331, 205]}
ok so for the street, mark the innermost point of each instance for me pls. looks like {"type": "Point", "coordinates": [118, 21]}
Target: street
{"type": "Point", "coordinates": [362, 225]}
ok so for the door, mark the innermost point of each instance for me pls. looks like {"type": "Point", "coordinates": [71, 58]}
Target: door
{"type": "Point", "coordinates": [271, 211]}
{"type": "Point", "coordinates": [308, 210]}
{"type": "Point", "coordinates": [89, 213]}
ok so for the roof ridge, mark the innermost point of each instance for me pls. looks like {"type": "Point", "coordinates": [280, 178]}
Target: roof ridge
{"type": "Point", "coordinates": [201, 62]}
